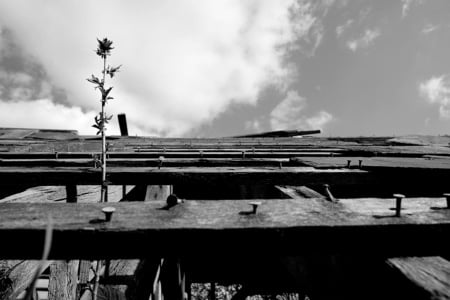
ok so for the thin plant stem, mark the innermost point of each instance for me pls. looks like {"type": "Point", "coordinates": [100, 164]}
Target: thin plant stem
{"type": "Point", "coordinates": [43, 263]}
{"type": "Point", "coordinates": [104, 189]}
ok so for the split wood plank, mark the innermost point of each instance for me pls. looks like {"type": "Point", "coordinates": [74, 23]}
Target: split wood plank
{"type": "Point", "coordinates": [430, 276]}
{"type": "Point", "coordinates": [63, 280]}
{"type": "Point", "coordinates": [279, 225]}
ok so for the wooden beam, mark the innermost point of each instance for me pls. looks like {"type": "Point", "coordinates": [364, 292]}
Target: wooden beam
{"type": "Point", "coordinates": [193, 175]}
{"type": "Point", "coordinates": [153, 162]}
{"type": "Point", "coordinates": [123, 124]}
{"type": "Point", "coordinates": [402, 179]}
{"type": "Point", "coordinates": [71, 193]}
{"type": "Point", "coordinates": [188, 153]}
{"type": "Point", "coordinates": [279, 226]}
{"type": "Point", "coordinates": [376, 163]}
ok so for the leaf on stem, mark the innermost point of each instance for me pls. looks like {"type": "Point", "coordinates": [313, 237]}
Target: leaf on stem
{"type": "Point", "coordinates": [95, 80]}
{"type": "Point", "coordinates": [112, 70]}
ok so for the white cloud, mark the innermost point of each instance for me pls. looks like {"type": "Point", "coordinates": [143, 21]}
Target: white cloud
{"type": "Point", "coordinates": [43, 113]}
{"type": "Point", "coordinates": [365, 40]}
{"type": "Point", "coordinates": [320, 120]}
{"type": "Point", "coordinates": [288, 115]}
{"type": "Point", "coordinates": [183, 62]}
{"type": "Point", "coordinates": [254, 125]}
{"type": "Point", "coordinates": [436, 90]}
{"type": "Point", "coordinates": [406, 6]}
{"type": "Point", "coordinates": [342, 28]}
{"type": "Point", "coordinates": [429, 28]}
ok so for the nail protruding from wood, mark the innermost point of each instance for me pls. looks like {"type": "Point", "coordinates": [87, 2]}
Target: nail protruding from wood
{"type": "Point", "coordinates": [398, 204]}
{"type": "Point", "coordinates": [243, 154]}
{"type": "Point", "coordinates": [255, 205]}
{"type": "Point", "coordinates": [349, 163]}
{"type": "Point", "coordinates": [447, 197]}
{"type": "Point", "coordinates": [173, 200]}
{"type": "Point", "coordinates": [108, 211]}
{"type": "Point", "coordinates": [360, 163]}
{"type": "Point", "coordinates": [160, 162]}
{"type": "Point", "coordinates": [328, 194]}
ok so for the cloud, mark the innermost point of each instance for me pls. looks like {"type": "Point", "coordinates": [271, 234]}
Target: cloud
{"type": "Point", "coordinates": [342, 28]}
{"type": "Point", "coordinates": [429, 28]}
{"type": "Point", "coordinates": [254, 126]}
{"type": "Point", "coordinates": [436, 90]}
{"type": "Point", "coordinates": [288, 114]}
{"type": "Point", "coordinates": [365, 40]}
{"type": "Point", "coordinates": [184, 62]}
{"type": "Point", "coordinates": [43, 113]}
{"type": "Point", "coordinates": [406, 6]}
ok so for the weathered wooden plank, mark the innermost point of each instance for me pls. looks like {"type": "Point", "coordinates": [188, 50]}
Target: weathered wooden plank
{"type": "Point", "coordinates": [191, 175]}
{"type": "Point", "coordinates": [279, 133]}
{"type": "Point", "coordinates": [430, 276]}
{"type": "Point", "coordinates": [63, 280]}
{"type": "Point", "coordinates": [85, 193]}
{"type": "Point", "coordinates": [375, 163]}
{"type": "Point", "coordinates": [151, 162]}
{"type": "Point", "coordinates": [171, 154]}
{"type": "Point", "coordinates": [85, 144]}
{"type": "Point", "coordinates": [300, 192]}
{"type": "Point", "coordinates": [16, 276]}
{"type": "Point", "coordinates": [279, 226]}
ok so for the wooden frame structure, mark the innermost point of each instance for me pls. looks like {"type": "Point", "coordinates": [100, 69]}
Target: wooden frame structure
{"type": "Point", "coordinates": [334, 220]}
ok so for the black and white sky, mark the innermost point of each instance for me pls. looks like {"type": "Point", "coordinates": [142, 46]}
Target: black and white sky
{"type": "Point", "coordinates": [203, 68]}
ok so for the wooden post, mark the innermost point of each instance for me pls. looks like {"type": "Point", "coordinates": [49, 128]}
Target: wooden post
{"type": "Point", "coordinates": [123, 124]}
{"type": "Point", "coordinates": [123, 132]}
{"type": "Point", "coordinates": [71, 193]}
{"type": "Point", "coordinates": [63, 280]}
{"type": "Point", "coordinates": [144, 269]}
{"type": "Point", "coordinates": [173, 279]}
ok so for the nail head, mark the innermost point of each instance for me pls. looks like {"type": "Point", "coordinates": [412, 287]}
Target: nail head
{"type": "Point", "coordinates": [108, 211]}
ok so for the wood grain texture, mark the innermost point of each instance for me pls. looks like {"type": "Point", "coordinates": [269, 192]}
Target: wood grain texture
{"type": "Point", "coordinates": [374, 163]}
{"type": "Point", "coordinates": [282, 226]}
{"type": "Point", "coordinates": [63, 280]}
{"type": "Point", "coordinates": [190, 175]}
{"type": "Point", "coordinates": [429, 275]}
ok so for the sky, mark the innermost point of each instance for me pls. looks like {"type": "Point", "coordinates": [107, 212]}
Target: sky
{"type": "Point", "coordinates": [202, 68]}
